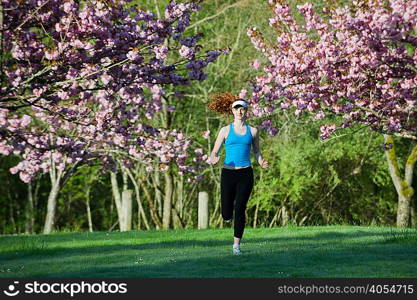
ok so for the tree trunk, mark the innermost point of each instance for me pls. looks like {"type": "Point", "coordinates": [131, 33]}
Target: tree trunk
{"type": "Point", "coordinates": [58, 180]}
{"type": "Point", "coordinates": [158, 195]}
{"type": "Point", "coordinates": [284, 215]}
{"type": "Point", "coordinates": [30, 212]}
{"type": "Point", "coordinates": [12, 221]}
{"type": "Point", "coordinates": [123, 201]}
{"type": "Point", "coordinates": [403, 186]}
{"type": "Point", "coordinates": [413, 214]}
{"type": "Point", "coordinates": [203, 212]}
{"type": "Point", "coordinates": [409, 170]}
{"type": "Point", "coordinates": [166, 217]}
{"type": "Point", "coordinates": [56, 176]}
{"type": "Point", "coordinates": [126, 210]}
{"type": "Point", "coordinates": [178, 211]}
{"type": "Point", "coordinates": [141, 212]}
{"type": "Point", "coordinates": [216, 199]}
{"type": "Point", "coordinates": [87, 204]}
{"type": "Point", "coordinates": [153, 210]}
{"type": "Point", "coordinates": [116, 196]}
{"type": "Point", "coordinates": [180, 193]}
{"type": "Point", "coordinates": [255, 218]}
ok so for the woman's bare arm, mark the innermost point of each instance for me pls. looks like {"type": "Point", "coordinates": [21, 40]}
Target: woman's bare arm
{"type": "Point", "coordinates": [214, 158]}
{"type": "Point", "coordinates": [257, 150]}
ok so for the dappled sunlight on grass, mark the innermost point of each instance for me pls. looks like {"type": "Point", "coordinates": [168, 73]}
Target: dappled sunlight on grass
{"type": "Point", "coordinates": [329, 251]}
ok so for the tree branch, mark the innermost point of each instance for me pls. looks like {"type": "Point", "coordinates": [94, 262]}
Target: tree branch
{"type": "Point", "coordinates": [214, 16]}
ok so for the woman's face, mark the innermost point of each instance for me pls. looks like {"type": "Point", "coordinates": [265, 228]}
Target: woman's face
{"type": "Point", "coordinates": [239, 112]}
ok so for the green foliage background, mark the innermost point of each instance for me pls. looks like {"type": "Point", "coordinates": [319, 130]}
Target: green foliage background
{"type": "Point", "coordinates": [309, 182]}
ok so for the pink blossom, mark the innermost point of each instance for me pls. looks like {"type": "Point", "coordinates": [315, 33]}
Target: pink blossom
{"type": "Point", "coordinates": [105, 78]}
{"type": "Point", "coordinates": [186, 52]}
{"type": "Point", "coordinates": [68, 6]}
{"type": "Point", "coordinates": [256, 64]}
{"type": "Point", "coordinates": [198, 151]}
{"type": "Point", "coordinates": [97, 100]}
{"type": "Point", "coordinates": [149, 169]}
{"type": "Point", "coordinates": [51, 54]}
{"type": "Point", "coordinates": [206, 134]}
{"type": "Point", "coordinates": [319, 115]}
{"type": "Point", "coordinates": [58, 27]}
{"type": "Point", "coordinates": [25, 177]}
{"type": "Point", "coordinates": [25, 120]}
{"type": "Point", "coordinates": [161, 52]}
{"type": "Point", "coordinates": [327, 130]}
{"type": "Point", "coordinates": [63, 95]}
{"type": "Point", "coordinates": [38, 92]}
{"type": "Point", "coordinates": [354, 65]}
{"type": "Point", "coordinates": [165, 159]}
{"type": "Point", "coordinates": [132, 55]}
{"type": "Point", "coordinates": [243, 93]}
{"type": "Point", "coordinates": [4, 150]}
{"type": "Point", "coordinates": [17, 52]}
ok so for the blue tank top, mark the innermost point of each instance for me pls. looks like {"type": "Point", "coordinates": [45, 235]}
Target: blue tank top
{"type": "Point", "coordinates": [238, 148]}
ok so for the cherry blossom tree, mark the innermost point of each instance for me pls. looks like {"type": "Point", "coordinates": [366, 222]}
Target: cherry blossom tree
{"type": "Point", "coordinates": [82, 80]}
{"type": "Point", "coordinates": [357, 62]}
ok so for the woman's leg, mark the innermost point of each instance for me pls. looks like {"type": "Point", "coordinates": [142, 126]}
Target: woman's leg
{"type": "Point", "coordinates": [244, 189]}
{"type": "Point", "coordinates": [228, 193]}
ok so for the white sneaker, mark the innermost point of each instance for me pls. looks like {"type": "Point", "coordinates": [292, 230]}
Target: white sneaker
{"type": "Point", "coordinates": [236, 250]}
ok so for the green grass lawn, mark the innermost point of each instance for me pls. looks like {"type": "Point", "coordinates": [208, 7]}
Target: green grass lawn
{"type": "Point", "coordinates": [322, 251]}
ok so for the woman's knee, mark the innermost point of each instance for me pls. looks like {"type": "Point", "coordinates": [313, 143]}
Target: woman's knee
{"type": "Point", "coordinates": [227, 215]}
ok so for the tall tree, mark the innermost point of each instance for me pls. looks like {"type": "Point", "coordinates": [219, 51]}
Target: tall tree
{"type": "Point", "coordinates": [357, 62]}
{"type": "Point", "coordinates": [81, 81]}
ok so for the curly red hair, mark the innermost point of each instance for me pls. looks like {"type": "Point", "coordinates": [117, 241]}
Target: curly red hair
{"type": "Point", "coordinates": [222, 102]}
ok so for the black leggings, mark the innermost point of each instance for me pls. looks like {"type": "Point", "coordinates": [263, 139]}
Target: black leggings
{"type": "Point", "coordinates": [236, 185]}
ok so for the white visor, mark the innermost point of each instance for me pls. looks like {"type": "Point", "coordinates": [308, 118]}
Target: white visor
{"type": "Point", "coordinates": [240, 102]}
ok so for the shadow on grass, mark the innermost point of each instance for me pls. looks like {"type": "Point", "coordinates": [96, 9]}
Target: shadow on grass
{"type": "Point", "coordinates": [40, 245]}
{"type": "Point", "coordinates": [272, 263]}
{"type": "Point", "coordinates": [325, 254]}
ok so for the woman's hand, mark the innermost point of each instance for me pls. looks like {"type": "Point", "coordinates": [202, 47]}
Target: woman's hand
{"type": "Point", "coordinates": [213, 160]}
{"type": "Point", "coordinates": [263, 163]}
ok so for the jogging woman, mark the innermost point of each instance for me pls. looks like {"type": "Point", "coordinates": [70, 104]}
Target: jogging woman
{"type": "Point", "coordinates": [237, 174]}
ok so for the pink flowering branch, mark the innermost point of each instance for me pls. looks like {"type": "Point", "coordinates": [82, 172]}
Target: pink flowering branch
{"type": "Point", "coordinates": [358, 63]}
{"type": "Point", "coordinates": [82, 82]}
